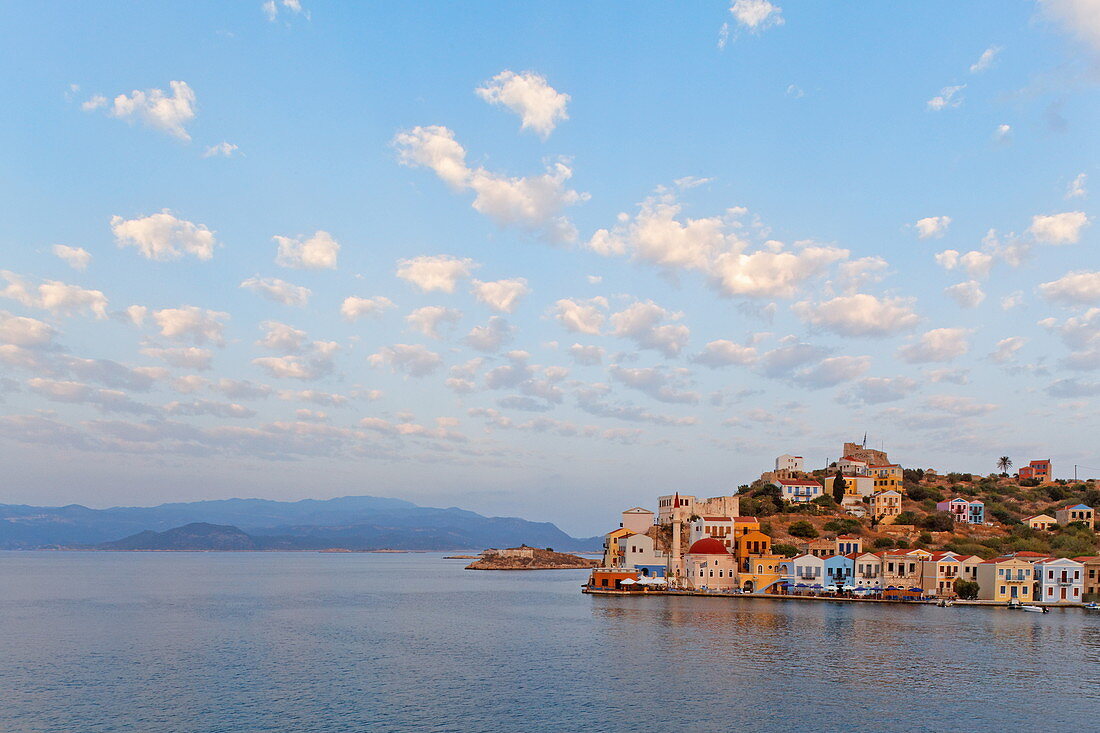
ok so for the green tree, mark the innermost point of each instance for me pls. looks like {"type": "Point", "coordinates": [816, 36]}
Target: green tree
{"type": "Point", "coordinates": [839, 485]}
{"type": "Point", "coordinates": [967, 589]}
{"type": "Point", "coordinates": [785, 549]}
{"type": "Point", "coordinates": [1004, 463]}
{"type": "Point", "coordinates": [803, 529]}
{"type": "Point", "coordinates": [938, 522]}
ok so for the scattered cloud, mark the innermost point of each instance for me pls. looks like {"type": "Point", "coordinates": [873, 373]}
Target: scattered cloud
{"type": "Point", "coordinates": [644, 324]}
{"type": "Point", "coordinates": [947, 98]}
{"type": "Point", "coordinates": [1074, 288]}
{"type": "Point", "coordinates": [503, 296]}
{"type": "Point", "coordinates": [427, 320]}
{"type": "Point", "coordinates": [191, 323]}
{"type": "Point", "coordinates": [221, 150]}
{"type": "Point", "coordinates": [75, 257]}
{"type": "Point", "coordinates": [22, 331]}
{"type": "Point", "coordinates": [168, 112]}
{"type": "Point", "coordinates": [581, 316]}
{"type": "Point", "coordinates": [986, 60]}
{"type": "Point", "coordinates": [860, 315]}
{"type": "Point", "coordinates": [538, 104]}
{"type": "Point", "coordinates": [939, 344]}
{"type": "Point", "coordinates": [1076, 188]}
{"type": "Point", "coordinates": [279, 291]}
{"type": "Point", "coordinates": [876, 390]}
{"type": "Point", "coordinates": [756, 15]}
{"type": "Point", "coordinates": [353, 308]}
{"type": "Point", "coordinates": [586, 355]}
{"type": "Point", "coordinates": [163, 237]}
{"type": "Point", "coordinates": [1078, 17]}
{"type": "Point", "coordinates": [967, 294]}
{"type": "Point", "coordinates": [721, 353]}
{"type": "Point", "coordinates": [832, 371]}
{"type": "Point", "coordinates": [412, 360]}
{"type": "Point", "coordinates": [657, 383]}
{"type": "Point", "coordinates": [318, 252]}
{"type": "Point", "coordinates": [1058, 228]}
{"type": "Point", "coordinates": [436, 272]}
{"type": "Point", "coordinates": [976, 264]}
{"type": "Point", "coordinates": [54, 296]}
{"type": "Point", "coordinates": [186, 357]}
{"type": "Point", "coordinates": [932, 227]}
{"type": "Point", "coordinates": [1007, 348]}
{"type": "Point", "coordinates": [491, 336]}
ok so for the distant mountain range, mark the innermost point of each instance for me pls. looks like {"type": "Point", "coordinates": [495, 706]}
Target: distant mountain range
{"type": "Point", "coordinates": [350, 522]}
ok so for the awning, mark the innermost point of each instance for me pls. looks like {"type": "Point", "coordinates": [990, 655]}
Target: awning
{"type": "Point", "coordinates": [628, 581]}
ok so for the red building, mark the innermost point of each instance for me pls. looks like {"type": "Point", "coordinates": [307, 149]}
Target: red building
{"type": "Point", "coordinates": [1038, 469]}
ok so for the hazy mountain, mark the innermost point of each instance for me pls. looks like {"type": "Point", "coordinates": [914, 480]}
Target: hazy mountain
{"type": "Point", "coordinates": [356, 522]}
{"type": "Point", "coordinates": [195, 536]}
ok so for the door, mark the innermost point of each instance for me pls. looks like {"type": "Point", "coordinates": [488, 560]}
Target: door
{"type": "Point", "coordinates": [1063, 594]}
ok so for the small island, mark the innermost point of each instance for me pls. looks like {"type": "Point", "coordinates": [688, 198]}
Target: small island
{"type": "Point", "coordinates": [530, 558]}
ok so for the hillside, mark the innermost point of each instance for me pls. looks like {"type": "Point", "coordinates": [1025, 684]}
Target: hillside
{"type": "Point", "coordinates": [358, 522]}
{"type": "Point", "coordinates": [539, 560]}
{"type": "Point", "coordinates": [196, 536]}
{"type": "Point", "coordinates": [1007, 502]}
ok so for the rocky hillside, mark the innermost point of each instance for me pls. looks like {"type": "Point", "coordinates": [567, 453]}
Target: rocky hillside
{"type": "Point", "coordinates": [539, 560]}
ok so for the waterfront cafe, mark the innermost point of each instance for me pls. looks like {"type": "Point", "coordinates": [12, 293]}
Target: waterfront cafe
{"type": "Point", "coordinates": [615, 579]}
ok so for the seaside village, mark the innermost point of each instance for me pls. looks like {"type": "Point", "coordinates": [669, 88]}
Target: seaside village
{"type": "Point", "coordinates": [701, 545]}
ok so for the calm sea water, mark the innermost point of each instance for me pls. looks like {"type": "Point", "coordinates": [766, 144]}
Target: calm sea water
{"type": "Point", "coordinates": [93, 642]}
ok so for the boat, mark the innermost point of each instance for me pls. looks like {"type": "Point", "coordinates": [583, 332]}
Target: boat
{"type": "Point", "coordinates": [1094, 606]}
{"type": "Point", "coordinates": [945, 603]}
{"type": "Point", "coordinates": [1035, 609]}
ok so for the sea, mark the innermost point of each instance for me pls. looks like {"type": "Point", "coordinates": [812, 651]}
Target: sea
{"type": "Point", "coordinates": [248, 642]}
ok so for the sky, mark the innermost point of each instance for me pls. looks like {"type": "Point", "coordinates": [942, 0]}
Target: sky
{"type": "Point", "coordinates": [547, 260]}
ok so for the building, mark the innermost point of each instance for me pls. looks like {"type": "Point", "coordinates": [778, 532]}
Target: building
{"type": "Point", "coordinates": [763, 574]}
{"type": "Point", "coordinates": [1060, 580]}
{"type": "Point", "coordinates": [1040, 521]}
{"type": "Point", "coordinates": [856, 486]}
{"type": "Point", "coordinates": [637, 520]}
{"type": "Point", "coordinates": [750, 545]}
{"type": "Point", "coordinates": [798, 491]}
{"type": "Point", "coordinates": [1041, 470]}
{"type": "Point", "coordinates": [741, 525]}
{"type": "Point", "coordinates": [639, 551]}
{"type": "Point", "coordinates": [1006, 579]}
{"type": "Point", "coordinates": [612, 550]}
{"type": "Point", "coordinates": [942, 570]}
{"type": "Point", "coordinates": [839, 570]}
{"type": "Point", "coordinates": [887, 476]}
{"type": "Point", "coordinates": [1076, 513]}
{"type": "Point", "coordinates": [788, 464]}
{"type": "Point", "coordinates": [846, 544]}
{"type": "Point", "coordinates": [862, 453]}
{"type": "Point", "coordinates": [818, 548]}
{"type": "Point", "coordinates": [868, 571]}
{"type": "Point", "coordinates": [720, 528]}
{"type": "Point", "coordinates": [852, 466]}
{"type": "Point", "coordinates": [610, 578]}
{"type": "Point", "coordinates": [885, 505]}
{"type": "Point", "coordinates": [903, 568]}
{"type": "Point", "coordinates": [709, 566]}
{"type": "Point", "coordinates": [1091, 573]}
{"type": "Point", "coordinates": [682, 507]}
{"type": "Point", "coordinates": [806, 571]}
{"type": "Point", "coordinates": [963, 511]}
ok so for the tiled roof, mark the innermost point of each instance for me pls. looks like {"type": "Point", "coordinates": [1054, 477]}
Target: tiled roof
{"type": "Point", "coordinates": [1079, 506]}
{"type": "Point", "coordinates": [717, 519]}
{"type": "Point", "coordinates": [797, 482]}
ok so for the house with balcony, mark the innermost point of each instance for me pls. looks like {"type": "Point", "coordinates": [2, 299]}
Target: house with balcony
{"type": "Point", "coordinates": [868, 571]}
{"type": "Point", "coordinates": [846, 544]}
{"type": "Point", "coordinates": [1060, 580]}
{"type": "Point", "coordinates": [1041, 470]}
{"type": "Point", "coordinates": [1006, 579]}
{"type": "Point", "coordinates": [1091, 573]}
{"type": "Point", "coordinates": [1076, 513]}
{"type": "Point", "coordinates": [963, 511]}
{"type": "Point", "coordinates": [797, 490]}
{"type": "Point", "coordinates": [886, 476]}
{"type": "Point", "coordinates": [885, 505]}
{"type": "Point", "coordinates": [903, 568]}
{"type": "Point", "coordinates": [749, 545]}
{"type": "Point", "coordinates": [762, 574]}
{"type": "Point", "coordinates": [942, 570]}
{"type": "Point", "coordinates": [806, 572]}
{"type": "Point", "coordinates": [720, 528]}
{"type": "Point", "coordinates": [839, 570]}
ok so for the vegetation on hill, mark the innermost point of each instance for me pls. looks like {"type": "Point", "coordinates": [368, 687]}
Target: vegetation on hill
{"type": "Point", "coordinates": [1007, 501]}
{"type": "Point", "coordinates": [540, 560]}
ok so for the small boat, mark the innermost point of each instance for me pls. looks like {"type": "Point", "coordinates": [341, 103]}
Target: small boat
{"type": "Point", "coordinates": [1094, 606]}
{"type": "Point", "coordinates": [945, 603]}
{"type": "Point", "coordinates": [1035, 609]}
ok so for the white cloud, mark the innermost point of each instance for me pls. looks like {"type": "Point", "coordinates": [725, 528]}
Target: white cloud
{"type": "Point", "coordinates": [939, 344]}
{"type": "Point", "coordinates": [491, 336]}
{"type": "Point", "coordinates": [642, 322]}
{"type": "Point", "coordinates": [1007, 348]}
{"type": "Point", "coordinates": [106, 400]}
{"type": "Point", "coordinates": [1002, 132]}
{"type": "Point", "coordinates": [353, 308]}
{"type": "Point", "coordinates": [164, 237]}
{"type": "Point", "coordinates": [756, 15]}
{"type": "Point", "coordinates": [54, 296]}
{"type": "Point", "coordinates": [413, 360]}
{"type": "Point", "coordinates": [222, 149]}
{"type": "Point", "coordinates": [1074, 288]}
{"type": "Point", "coordinates": [502, 296]}
{"type": "Point", "coordinates": [586, 355]}
{"type": "Point", "coordinates": [21, 331]}
{"type": "Point", "coordinates": [722, 353]}
{"type": "Point", "coordinates": [209, 407]}
{"type": "Point", "coordinates": [532, 203]}
{"type": "Point", "coordinates": [186, 357]}
{"type": "Point", "coordinates": [985, 60]}
{"type": "Point", "coordinates": [281, 338]}
{"type": "Point", "coordinates": [657, 383]}
{"type": "Point", "coordinates": [715, 247]}
{"type": "Point", "coordinates": [96, 101]}
{"type": "Point", "coordinates": [317, 363]}
{"type": "Point", "coordinates": [833, 371]}
{"type": "Point", "coordinates": [859, 315]}
{"type": "Point", "coordinates": [316, 253]}
{"type": "Point", "coordinates": [278, 290]}
{"type": "Point", "coordinates": [538, 104]}
{"type": "Point", "coordinates": [271, 8]}
{"type": "Point", "coordinates": [135, 314]}
{"type": "Point", "coordinates": [948, 97]}
{"type": "Point", "coordinates": [779, 362]}
{"type": "Point", "coordinates": [191, 323]}
{"type": "Point", "coordinates": [932, 226]}
{"type": "Point", "coordinates": [975, 263]}
{"type": "Point", "coordinates": [959, 406]}
{"type": "Point", "coordinates": [437, 272]}
{"type": "Point", "coordinates": [1076, 188]}
{"type": "Point", "coordinates": [166, 112]}
{"type": "Point", "coordinates": [1058, 228]}
{"type": "Point", "coordinates": [428, 319]}
{"type": "Point", "coordinates": [1079, 17]}
{"type": "Point", "coordinates": [876, 390]}
{"type": "Point", "coordinates": [968, 294]}
{"type": "Point", "coordinates": [585, 316]}
{"type": "Point", "coordinates": [1012, 300]}
{"type": "Point", "coordinates": [75, 257]}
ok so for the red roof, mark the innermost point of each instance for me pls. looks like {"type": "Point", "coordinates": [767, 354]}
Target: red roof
{"type": "Point", "coordinates": [752, 520]}
{"type": "Point", "coordinates": [847, 537]}
{"type": "Point", "coordinates": [797, 482]}
{"type": "Point", "coordinates": [708, 546]}
{"type": "Point", "coordinates": [717, 519]}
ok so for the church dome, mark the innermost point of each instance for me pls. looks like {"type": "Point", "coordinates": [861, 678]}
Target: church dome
{"type": "Point", "coordinates": [708, 546]}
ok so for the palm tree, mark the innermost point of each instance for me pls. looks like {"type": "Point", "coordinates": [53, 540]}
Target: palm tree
{"type": "Point", "coordinates": [1004, 463]}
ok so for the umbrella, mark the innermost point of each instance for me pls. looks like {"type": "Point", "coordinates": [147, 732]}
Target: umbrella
{"type": "Point", "coordinates": [658, 581]}
{"type": "Point", "coordinates": [628, 581]}
{"type": "Point", "coordinates": [816, 586]}
{"type": "Point", "coordinates": [849, 587]}
{"type": "Point", "coordinates": [800, 585]}
{"type": "Point", "coordinates": [877, 587]}
{"type": "Point", "coordinates": [892, 587]}
{"type": "Point", "coordinates": [917, 590]}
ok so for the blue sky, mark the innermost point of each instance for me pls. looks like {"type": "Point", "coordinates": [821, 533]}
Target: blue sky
{"type": "Point", "coordinates": [543, 259]}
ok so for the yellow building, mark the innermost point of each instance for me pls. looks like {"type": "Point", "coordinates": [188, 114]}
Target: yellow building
{"type": "Point", "coordinates": [887, 476]}
{"type": "Point", "coordinates": [763, 574]}
{"type": "Point", "coordinates": [1006, 579]}
{"type": "Point", "coordinates": [613, 551]}
{"type": "Point", "coordinates": [1040, 521]}
{"type": "Point", "coordinates": [750, 545]}
{"type": "Point", "coordinates": [885, 505]}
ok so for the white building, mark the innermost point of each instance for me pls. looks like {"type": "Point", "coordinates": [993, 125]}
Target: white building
{"type": "Point", "coordinates": [798, 490]}
{"type": "Point", "coordinates": [787, 462]}
{"type": "Point", "coordinates": [851, 466]}
{"type": "Point", "coordinates": [681, 507]}
{"type": "Point", "coordinates": [720, 528]}
{"type": "Point", "coordinates": [1060, 580]}
{"type": "Point", "coordinates": [639, 549]}
{"type": "Point", "coordinates": [637, 520]}
{"type": "Point", "coordinates": [806, 570]}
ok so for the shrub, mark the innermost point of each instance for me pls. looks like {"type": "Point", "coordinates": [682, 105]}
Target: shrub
{"type": "Point", "coordinates": [916, 475]}
{"type": "Point", "coordinates": [826, 501]}
{"type": "Point", "coordinates": [902, 545]}
{"type": "Point", "coordinates": [803, 529]}
{"type": "Point", "coordinates": [925, 538]}
{"type": "Point", "coordinates": [843, 525]}
{"type": "Point", "coordinates": [785, 550]}
{"type": "Point", "coordinates": [883, 542]}
{"type": "Point", "coordinates": [938, 522]}
{"type": "Point", "coordinates": [907, 517]}
{"type": "Point", "coordinates": [967, 589]}
{"type": "Point", "coordinates": [1004, 516]}
{"type": "Point", "coordinates": [1056, 492]}
{"type": "Point", "coordinates": [959, 477]}
{"type": "Point", "coordinates": [1029, 482]}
